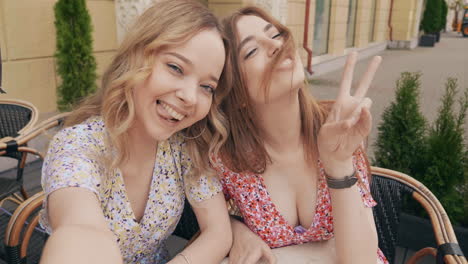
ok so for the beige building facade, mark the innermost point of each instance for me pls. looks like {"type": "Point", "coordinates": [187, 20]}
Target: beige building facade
{"type": "Point", "coordinates": [27, 42]}
{"type": "Point", "coordinates": [334, 28]}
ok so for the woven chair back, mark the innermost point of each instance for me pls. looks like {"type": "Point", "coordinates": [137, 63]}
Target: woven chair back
{"type": "Point", "coordinates": [15, 116]}
{"type": "Point", "coordinates": [390, 196]}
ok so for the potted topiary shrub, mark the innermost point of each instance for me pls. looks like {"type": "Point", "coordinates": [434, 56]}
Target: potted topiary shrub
{"type": "Point", "coordinates": [445, 160]}
{"type": "Point", "coordinates": [444, 171]}
{"type": "Point", "coordinates": [76, 65]}
{"type": "Point", "coordinates": [431, 23]}
{"type": "Point", "coordinates": [443, 16]}
{"type": "Point", "coordinates": [438, 157]}
{"type": "Point", "coordinates": [400, 143]}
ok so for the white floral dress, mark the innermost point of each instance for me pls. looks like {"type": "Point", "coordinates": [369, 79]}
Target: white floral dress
{"type": "Point", "coordinates": [73, 161]}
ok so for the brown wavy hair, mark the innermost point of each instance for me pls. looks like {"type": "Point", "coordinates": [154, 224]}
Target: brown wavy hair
{"type": "Point", "coordinates": [165, 24]}
{"type": "Point", "coordinates": [244, 150]}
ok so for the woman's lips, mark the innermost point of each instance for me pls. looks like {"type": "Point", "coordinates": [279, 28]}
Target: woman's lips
{"type": "Point", "coordinates": [286, 64]}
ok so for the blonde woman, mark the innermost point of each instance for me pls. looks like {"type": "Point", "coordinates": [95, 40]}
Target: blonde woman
{"type": "Point", "coordinates": [115, 177]}
{"type": "Point", "coordinates": [294, 168]}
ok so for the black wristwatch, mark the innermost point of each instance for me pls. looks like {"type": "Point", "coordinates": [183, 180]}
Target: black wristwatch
{"type": "Point", "coordinates": [344, 183]}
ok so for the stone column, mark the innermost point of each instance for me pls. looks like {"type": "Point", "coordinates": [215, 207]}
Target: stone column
{"type": "Point", "coordinates": [126, 12]}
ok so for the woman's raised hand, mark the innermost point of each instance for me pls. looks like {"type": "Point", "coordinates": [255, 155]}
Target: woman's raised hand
{"type": "Point", "coordinates": [349, 121]}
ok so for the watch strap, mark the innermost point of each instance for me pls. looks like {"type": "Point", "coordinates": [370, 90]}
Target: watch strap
{"type": "Point", "coordinates": [346, 182]}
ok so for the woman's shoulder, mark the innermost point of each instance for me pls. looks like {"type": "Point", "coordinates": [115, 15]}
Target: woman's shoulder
{"type": "Point", "coordinates": [90, 132]}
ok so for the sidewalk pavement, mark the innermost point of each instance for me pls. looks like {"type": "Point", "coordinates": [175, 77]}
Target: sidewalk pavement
{"type": "Point", "coordinates": [449, 58]}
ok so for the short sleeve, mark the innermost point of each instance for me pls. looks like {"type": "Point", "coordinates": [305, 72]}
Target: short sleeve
{"type": "Point", "coordinates": [362, 173]}
{"type": "Point", "coordinates": [203, 188]}
{"type": "Point", "coordinates": [71, 162]}
{"type": "Point", "coordinates": [220, 171]}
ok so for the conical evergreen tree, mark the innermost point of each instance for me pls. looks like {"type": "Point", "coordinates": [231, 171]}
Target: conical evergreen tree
{"type": "Point", "coordinates": [75, 62]}
{"type": "Point", "coordinates": [432, 17]}
{"type": "Point", "coordinates": [443, 15]}
{"type": "Point", "coordinates": [400, 142]}
{"type": "Point", "coordinates": [446, 161]}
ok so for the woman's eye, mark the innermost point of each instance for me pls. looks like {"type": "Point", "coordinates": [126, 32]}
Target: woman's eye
{"type": "Point", "coordinates": [250, 53]}
{"type": "Point", "coordinates": [210, 89]}
{"type": "Point", "coordinates": [277, 35]}
{"type": "Point", "coordinates": [175, 68]}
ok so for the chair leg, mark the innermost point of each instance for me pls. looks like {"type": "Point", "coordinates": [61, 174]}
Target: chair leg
{"type": "Point", "coordinates": [24, 193]}
{"type": "Point", "coordinates": [19, 176]}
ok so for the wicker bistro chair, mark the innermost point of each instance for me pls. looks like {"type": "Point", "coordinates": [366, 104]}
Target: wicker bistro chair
{"type": "Point", "coordinates": [22, 229]}
{"type": "Point", "coordinates": [18, 144]}
{"type": "Point", "coordinates": [17, 131]}
{"type": "Point", "coordinates": [389, 188]}
{"type": "Point", "coordinates": [16, 119]}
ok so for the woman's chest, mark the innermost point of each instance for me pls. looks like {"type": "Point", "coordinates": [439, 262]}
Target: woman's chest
{"type": "Point", "coordinates": [293, 191]}
{"type": "Point", "coordinates": [290, 207]}
{"type": "Point", "coordinates": [162, 206]}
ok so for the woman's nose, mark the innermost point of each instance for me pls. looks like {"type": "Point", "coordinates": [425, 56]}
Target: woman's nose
{"type": "Point", "coordinates": [274, 46]}
{"type": "Point", "coordinates": [188, 94]}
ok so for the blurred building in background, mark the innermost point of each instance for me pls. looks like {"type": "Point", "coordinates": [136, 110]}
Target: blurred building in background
{"type": "Point", "coordinates": [333, 29]}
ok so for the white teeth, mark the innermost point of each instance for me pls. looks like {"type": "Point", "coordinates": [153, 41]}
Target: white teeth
{"type": "Point", "coordinates": [287, 61]}
{"type": "Point", "coordinates": [172, 112]}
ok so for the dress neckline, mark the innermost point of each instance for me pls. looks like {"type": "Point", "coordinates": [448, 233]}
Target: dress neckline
{"type": "Point", "coordinates": [299, 229]}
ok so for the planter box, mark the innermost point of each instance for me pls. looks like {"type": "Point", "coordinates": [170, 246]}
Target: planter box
{"type": "Point", "coordinates": [427, 40]}
{"type": "Point", "coordinates": [416, 233]}
{"type": "Point", "coordinates": [437, 35]}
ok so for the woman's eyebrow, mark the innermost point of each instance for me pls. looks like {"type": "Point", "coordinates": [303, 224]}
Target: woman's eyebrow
{"type": "Point", "coordinates": [181, 57]}
{"type": "Point", "coordinates": [249, 38]}
{"type": "Point", "coordinates": [267, 27]}
{"type": "Point", "coordinates": [184, 59]}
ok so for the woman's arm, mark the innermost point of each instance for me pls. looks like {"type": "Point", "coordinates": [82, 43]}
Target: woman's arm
{"type": "Point", "coordinates": [80, 233]}
{"type": "Point", "coordinates": [215, 238]}
{"type": "Point", "coordinates": [248, 247]}
{"type": "Point", "coordinates": [348, 124]}
{"type": "Point", "coordinates": [354, 227]}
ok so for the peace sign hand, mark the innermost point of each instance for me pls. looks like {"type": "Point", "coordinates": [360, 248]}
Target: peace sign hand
{"type": "Point", "coordinates": [349, 121]}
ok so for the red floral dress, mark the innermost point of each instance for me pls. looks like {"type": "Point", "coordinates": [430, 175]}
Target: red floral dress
{"type": "Point", "coordinates": [249, 193]}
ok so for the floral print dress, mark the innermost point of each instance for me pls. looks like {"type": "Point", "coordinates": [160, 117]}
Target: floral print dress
{"type": "Point", "coordinates": [260, 214]}
{"type": "Point", "coordinates": [74, 160]}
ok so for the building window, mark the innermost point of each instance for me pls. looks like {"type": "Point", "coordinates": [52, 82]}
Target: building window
{"type": "Point", "coordinates": [350, 33]}
{"type": "Point", "coordinates": [372, 21]}
{"type": "Point", "coordinates": [321, 26]}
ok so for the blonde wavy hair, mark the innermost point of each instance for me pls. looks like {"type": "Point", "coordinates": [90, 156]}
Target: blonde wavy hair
{"type": "Point", "coordinates": [165, 24]}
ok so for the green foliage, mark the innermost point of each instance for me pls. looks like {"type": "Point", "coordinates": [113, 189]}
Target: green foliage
{"type": "Point", "coordinates": [400, 143]}
{"type": "Point", "coordinates": [446, 161]}
{"type": "Point", "coordinates": [75, 62]}
{"type": "Point", "coordinates": [464, 193]}
{"type": "Point", "coordinates": [443, 14]}
{"type": "Point", "coordinates": [436, 155]}
{"type": "Point", "coordinates": [432, 17]}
